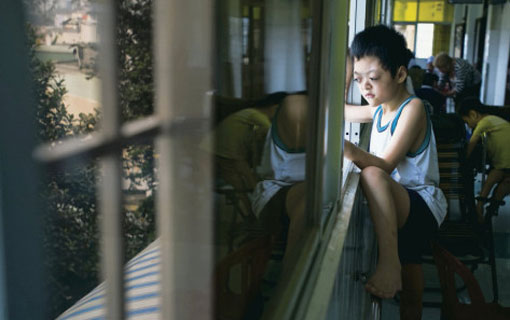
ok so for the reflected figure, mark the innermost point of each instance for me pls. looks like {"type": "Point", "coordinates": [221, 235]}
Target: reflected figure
{"type": "Point", "coordinates": [238, 142]}
{"type": "Point", "coordinates": [279, 199]}
{"type": "Point", "coordinates": [250, 152]}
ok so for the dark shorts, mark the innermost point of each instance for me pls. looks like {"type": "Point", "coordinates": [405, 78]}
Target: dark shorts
{"type": "Point", "coordinates": [415, 235]}
{"type": "Point", "coordinates": [274, 217]}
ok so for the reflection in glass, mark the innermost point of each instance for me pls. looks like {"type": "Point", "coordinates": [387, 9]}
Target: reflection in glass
{"type": "Point", "coordinates": [258, 141]}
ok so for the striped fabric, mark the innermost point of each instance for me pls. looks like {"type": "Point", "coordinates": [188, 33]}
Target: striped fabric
{"type": "Point", "coordinates": [465, 75]}
{"type": "Point", "coordinates": [142, 286]}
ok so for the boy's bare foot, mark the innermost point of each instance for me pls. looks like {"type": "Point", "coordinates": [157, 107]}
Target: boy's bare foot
{"type": "Point", "coordinates": [386, 281]}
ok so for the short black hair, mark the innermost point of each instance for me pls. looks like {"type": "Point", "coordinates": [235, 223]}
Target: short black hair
{"type": "Point", "coordinates": [271, 99]}
{"type": "Point", "coordinates": [384, 43]}
{"type": "Point", "coordinates": [429, 79]}
{"type": "Point", "coordinates": [471, 103]}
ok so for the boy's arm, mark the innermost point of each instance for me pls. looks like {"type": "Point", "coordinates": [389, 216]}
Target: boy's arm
{"type": "Point", "coordinates": [359, 114]}
{"type": "Point", "coordinates": [362, 158]}
{"type": "Point", "coordinates": [411, 127]}
{"type": "Point", "coordinates": [473, 141]}
{"type": "Point", "coordinates": [475, 137]}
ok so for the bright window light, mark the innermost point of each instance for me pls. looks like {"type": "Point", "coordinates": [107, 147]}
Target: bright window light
{"type": "Point", "coordinates": [424, 40]}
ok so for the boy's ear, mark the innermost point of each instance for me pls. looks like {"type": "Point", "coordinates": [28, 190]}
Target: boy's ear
{"type": "Point", "coordinates": [401, 74]}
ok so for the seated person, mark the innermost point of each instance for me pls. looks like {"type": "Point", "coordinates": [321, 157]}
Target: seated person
{"type": "Point", "coordinates": [429, 92]}
{"type": "Point", "coordinates": [474, 113]}
{"type": "Point", "coordinates": [416, 74]}
{"type": "Point", "coordinates": [238, 142]}
{"type": "Point", "coordinates": [279, 199]}
{"type": "Point", "coordinates": [399, 175]}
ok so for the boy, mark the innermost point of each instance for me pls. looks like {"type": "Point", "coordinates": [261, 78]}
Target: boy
{"type": "Point", "coordinates": [498, 132]}
{"type": "Point", "coordinates": [400, 175]}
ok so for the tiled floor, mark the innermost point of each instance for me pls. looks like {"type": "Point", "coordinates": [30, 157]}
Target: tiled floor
{"type": "Point", "coordinates": [390, 309]}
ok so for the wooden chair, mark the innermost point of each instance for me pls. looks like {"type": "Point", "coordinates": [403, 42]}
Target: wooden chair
{"type": "Point", "coordinates": [460, 232]}
{"type": "Point", "coordinates": [451, 308]}
{"type": "Point", "coordinates": [243, 269]}
{"type": "Point", "coordinates": [470, 242]}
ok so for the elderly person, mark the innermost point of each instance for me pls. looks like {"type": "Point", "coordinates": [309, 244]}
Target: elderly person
{"type": "Point", "coordinates": [465, 79]}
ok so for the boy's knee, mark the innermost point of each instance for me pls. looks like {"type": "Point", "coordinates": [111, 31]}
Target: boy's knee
{"type": "Point", "coordinates": [296, 201]}
{"type": "Point", "coordinates": [372, 174]}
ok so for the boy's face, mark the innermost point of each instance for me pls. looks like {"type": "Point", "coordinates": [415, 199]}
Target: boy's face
{"type": "Point", "coordinates": [375, 83]}
{"type": "Point", "coordinates": [471, 119]}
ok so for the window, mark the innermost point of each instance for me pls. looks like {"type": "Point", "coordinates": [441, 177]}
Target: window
{"type": "Point", "coordinates": [185, 96]}
{"type": "Point", "coordinates": [425, 25]}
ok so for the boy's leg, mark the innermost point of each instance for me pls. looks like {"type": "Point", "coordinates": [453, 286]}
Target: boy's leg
{"type": "Point", "coordinates": [389, 207]}
{"type": "Point", "coordinates": [493, 177]}
{"type": "Point", "coordinates": [502, 189]}
{"type": "Point", "coordinates": [412, 292]}
{"type": "Point", "coordinates": [295, 204]}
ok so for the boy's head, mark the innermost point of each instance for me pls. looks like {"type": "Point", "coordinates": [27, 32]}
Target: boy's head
{"type": "Point", "coordinates": [380, 64]}
{"type": "Point", "coordinates": [471, 111]}
{"type": "Point", "coordinates": [384, 43]}
{"type": "Point", "coordinates": [271, 99]}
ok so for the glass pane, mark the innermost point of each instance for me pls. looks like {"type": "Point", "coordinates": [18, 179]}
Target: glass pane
{"type": "Point", "coordinates": [434, 11]}
{"type": "Point", "coordinates": [441, 38]}
{"type": "Point", "coordinates": [71, 234]}
{"type": "Point", "coordinates": [64, 51]}
{"type": "Point", "coordinates": [424, 40]}
{"type": "Point", "coordinates": [258, 145]}
{"type": "Point", "coordinates": [405, 10]}
{"type": "Point", "coordinates": [63, 40]}
{"type": "Point", "coordinates": [377, 17]}
{"type": "Point", "coordinates": [408, 30]}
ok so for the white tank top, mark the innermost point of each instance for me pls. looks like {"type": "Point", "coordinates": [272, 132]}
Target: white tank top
{"type": "Point", "coordinates": [279, 167]}
{"type": "Point", "coordinates": [417, 171]}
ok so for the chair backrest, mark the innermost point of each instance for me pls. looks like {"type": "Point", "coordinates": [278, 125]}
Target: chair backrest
{"type": "Point", "coordinates": [456, 179]}
{"type": "Point", "coordinates": [250, 260]}
{"type": "Point", "coordinates": [447, 266]}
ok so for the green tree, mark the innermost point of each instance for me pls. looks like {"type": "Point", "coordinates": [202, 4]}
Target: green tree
{"type": "Point", "coordinates": [70, 229]}
{"type": "Point", "coordinates": [71, 234]}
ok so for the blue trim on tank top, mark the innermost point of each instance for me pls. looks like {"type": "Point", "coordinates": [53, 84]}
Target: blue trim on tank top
{"type": "Point", "coordinates": [393, 125]}
{"type": "Point", "coordinates": [426, 139]}
{"type": "Point", "coordinates": [399, 111]}
{"type": "Point", "coordinates": [377, 119]}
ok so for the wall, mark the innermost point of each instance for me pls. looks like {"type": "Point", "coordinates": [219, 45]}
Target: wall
{"type": "Point", "coordinates": [474, 12]}
{"type": "Point", "coordinates": [497, 52]}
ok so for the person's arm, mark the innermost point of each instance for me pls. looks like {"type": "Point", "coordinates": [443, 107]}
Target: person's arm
{"type": "Point", "coordinates": [475, 137]}
{"type": "Point", "coordinates": [411, 127]}
{"type": "Point", "coordinates": [449, 93]}
{"type": "Point", "coordinates": [359, 114]}
{"type": "Point", "coordinates": [473, 141]}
